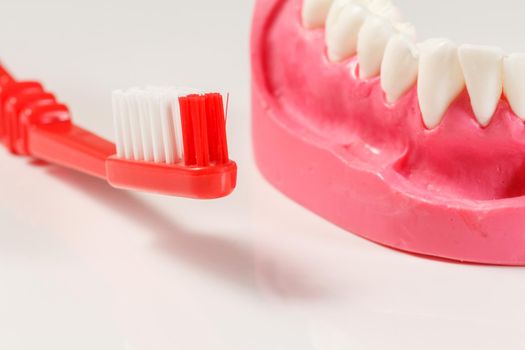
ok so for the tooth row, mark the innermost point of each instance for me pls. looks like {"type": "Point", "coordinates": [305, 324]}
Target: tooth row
{"type": "Point", "coordinates": [372, 30]}
{"type": "Point", "coordinates": [147, 124]}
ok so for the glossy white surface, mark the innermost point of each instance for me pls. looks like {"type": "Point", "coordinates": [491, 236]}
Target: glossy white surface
{"type": "Point", "coordinates": [483, 71]}
{"type": "Point", "coordinates": [371, 43]}
{"type": "Point", "coordinates": [342, 29]}
{"type": "Point", "coordinates": [514, 81]}
{"type": "Point", "coordinates": [83, 266]}
{"type": "Point", "coordinates": [440, 79]}
{"type": "Point", "coordinates": [399, 68]}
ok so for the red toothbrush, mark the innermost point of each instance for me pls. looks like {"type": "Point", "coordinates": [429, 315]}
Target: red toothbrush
{"type": "Point", "coordinates": [168, 141]}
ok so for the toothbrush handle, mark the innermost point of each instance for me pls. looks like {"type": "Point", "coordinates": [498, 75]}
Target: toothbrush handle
{"type": "Point", "coordinates": [51, 136]}
{"type": "Point", "coordinates": [70, 146]}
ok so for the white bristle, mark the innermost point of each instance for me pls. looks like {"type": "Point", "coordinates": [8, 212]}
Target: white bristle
{"type": "Point", "coordinates": [145, 125]}
{"type": "Point", "coordinates": [156, 128]}
{"type": "Point", "coordinates": [125, 125]}
{"type": "Point", "coordinates": [134, 119]}
{"type": "Point", "coordinates": [177, 127]}
{"type": "Point", "coordinates": [148, 124]}
{"type": "Point", "coordinates": [168, 132]}
{"type": "Point", "coordinates": [119, 138]}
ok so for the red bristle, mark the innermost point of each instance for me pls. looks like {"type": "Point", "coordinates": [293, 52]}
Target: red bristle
{"type": "Point", "coordinates": [199, 129]}
{"type": "Point", "coordinates": [194, 112]}
{"type": "Point", "coordinates": [217, 129]}
{"type": "Point", "coordinates": [187, 131]}
{"type": "Point", "coordinates": [212, 128]}
{"type": "Point", "coordinates": [204, 130]}
{"type": "Point", "coordinates": [198, 114]}
{"type": "Point", "coordinates": [221, 131]}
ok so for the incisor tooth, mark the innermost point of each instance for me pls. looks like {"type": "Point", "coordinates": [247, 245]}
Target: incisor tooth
{"type": "Point", "coordinates": [514, 81]}
{"type": "Point", "coordinates": [440, 79]}
{"type": "Point", "coordinates": [483, 72]}
{"type": "Point", "coordinates": [399, 68]}
{"type": "Point", "coordinates": [335, 10]}
{"type": "Point", "coordinates": [341, 33]}
{"type": "Point", "coordinates": [314, 13]}
{"type": "Point", "coordinates": [372, 40]}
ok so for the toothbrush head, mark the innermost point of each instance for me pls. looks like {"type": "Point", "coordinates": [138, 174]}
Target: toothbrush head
{"type": "Point", "coordinates": [171, 141]}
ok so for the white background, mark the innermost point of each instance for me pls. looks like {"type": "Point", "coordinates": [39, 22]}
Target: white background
{"type": "Point", "coordinates": [83, 266]}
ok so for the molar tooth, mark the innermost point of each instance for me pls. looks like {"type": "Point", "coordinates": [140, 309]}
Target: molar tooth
{"type": "Point", "coordinates": [399, 68]}
{"type": "Point", "coordinates": [440, 79]}
{"type": "Point", "coordinates": [514, 83]}
{"type": "Point", "coordinates": [372, 40]}
{"type": "Point", "coordinates": [314, 13]}
{"type": "Point", "coordinates": [483, 71]}
{"type": "Point", "coordinates": [342, 30]}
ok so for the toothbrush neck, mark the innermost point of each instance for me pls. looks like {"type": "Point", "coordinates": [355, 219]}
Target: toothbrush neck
{"type": "Point", "coordinates": [70, 146]}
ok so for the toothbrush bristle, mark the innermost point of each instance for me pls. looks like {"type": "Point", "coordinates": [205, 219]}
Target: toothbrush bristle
{"type": "Point", "coordinates": [171, 126]}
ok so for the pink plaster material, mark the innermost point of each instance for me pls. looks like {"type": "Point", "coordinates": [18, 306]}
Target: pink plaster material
{"type": "Point", "coordinates": [330, 141]}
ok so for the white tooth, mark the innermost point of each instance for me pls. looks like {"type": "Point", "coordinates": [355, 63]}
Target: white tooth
{"type": "Point", "coordinates": [335, 10]}
{"type": "Point", "coordinates": [385, 8]}
{"type": "Point", "coordinates": [514, 80]}
{"type": "Point", "coordinates": [371, 43]}
{"type": "Point", "coordinates": [314, 13]}
{"type": "Point", "coordinates": [399, 68]}
{"type": "Point", "coordinates": [381, 8]}
{"type": "Point", "coordinates": [483, 71]}
{"type": "Point", "coordinates": [406, 28]}
{"type": "Point", "coordinates": [342, 31]}
{"type": "Point", "coordinates": [440, 79]}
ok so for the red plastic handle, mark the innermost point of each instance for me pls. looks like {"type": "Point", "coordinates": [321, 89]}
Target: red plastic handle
{"type": "Point", "coordinates": [70, 146]}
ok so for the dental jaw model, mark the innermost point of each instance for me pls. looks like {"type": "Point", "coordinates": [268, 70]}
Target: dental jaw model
{"type": "Point", "coordinates": [419, 146]}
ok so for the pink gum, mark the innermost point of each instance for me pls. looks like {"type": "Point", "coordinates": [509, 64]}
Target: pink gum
{"type": "Point", "coordinates": [329, 141]}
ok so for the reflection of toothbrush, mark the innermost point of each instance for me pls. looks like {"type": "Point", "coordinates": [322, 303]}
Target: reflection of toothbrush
{"type": "Point", "coordinates": [168, 141]}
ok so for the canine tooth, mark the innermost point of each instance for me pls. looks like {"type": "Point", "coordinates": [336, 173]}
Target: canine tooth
{"type": "Point", "coordinates": [314, 13]}
{"type": "Point", "coordinates": [483, 72]}
{"type": "Point", "coordinates": [399, 68]}
{"type": "Point", "coordinates": [342, 31]}
{"type": "Point", "coordinates": [372, 40]}
{"type": "Point", "coordinates": [514, 83]}
{"type": "Point", "coordinates": [440, 79]}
